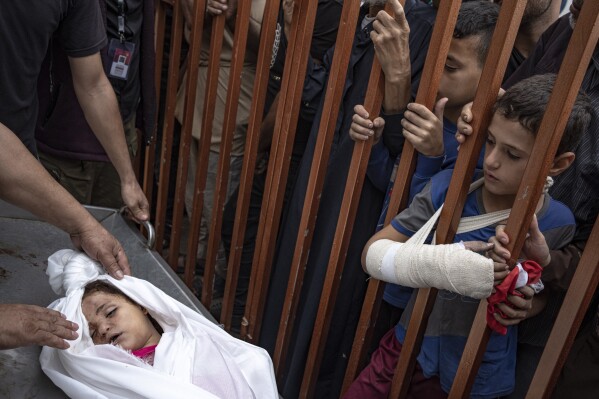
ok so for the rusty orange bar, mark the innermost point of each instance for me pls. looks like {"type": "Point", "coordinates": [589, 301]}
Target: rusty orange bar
{"type": "Point", "coordinates": [334, 94]}
{"type": "Point", "coordinates": [242, 23]}
{"type": "Point", "coordinates": [581, 47]}
{"type": "Point", "coordinates": [216, 44]}
{"type": "Point", "coordinates": [278, 165]}
{"type": "Point", "coordinates": [269, 20]}
{"type": "Point", "coordinates": [167, 128]}
{"type": "Point", "coordinates": [193, 59]}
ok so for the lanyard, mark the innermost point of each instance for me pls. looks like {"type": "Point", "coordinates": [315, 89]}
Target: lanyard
{"type": "Point", "coordinates": [121, 19]}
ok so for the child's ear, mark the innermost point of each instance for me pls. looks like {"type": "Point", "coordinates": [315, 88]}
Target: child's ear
{"type": "Point", "coordinates": [561, 163]}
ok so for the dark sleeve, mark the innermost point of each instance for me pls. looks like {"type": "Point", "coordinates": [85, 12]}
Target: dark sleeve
{"type": "Point", "coordinates": [560, 271]}
{"type": "Point", "coordinates": [82, 31]}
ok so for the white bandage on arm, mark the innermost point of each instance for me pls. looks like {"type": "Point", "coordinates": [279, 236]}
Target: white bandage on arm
{"type": "Point", "coordinates": [449, 267]}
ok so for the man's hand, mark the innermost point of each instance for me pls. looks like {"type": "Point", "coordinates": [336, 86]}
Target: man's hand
{"type": "Point", "coordinates": [535, 247]}
{"type": "Point", "coordinates": [424, 129]}
{"type": "Point", "coordinates": [135, 200]}
{"type": "Point", "coordinates": [216, 7]}
{"type": "Point", "coordinates": [521, 309]}
{"type": "Point", "coordinates": [100, 245]}
{"type": "Point", "coordinates": [390, 38]}
{"type": "Point", "coordinates": [363, 128]}
{"type": "Point", "coordinates": [287, 16]}
{"type": "Point", "coordinates": [24, 325]}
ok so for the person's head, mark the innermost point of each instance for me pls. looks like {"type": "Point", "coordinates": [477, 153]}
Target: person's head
{"type": "Point", "coordinates": [534, 10]}
{"type": "Point", "coordinates": [517, 116]}
{"type": "Point", "coordinates": [467, 52]}
{"type": "Point", "coordinates": [116, 319]}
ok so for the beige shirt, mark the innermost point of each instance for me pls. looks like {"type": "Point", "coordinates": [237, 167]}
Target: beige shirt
{"type": "Point", "coordinates": [246, 90]}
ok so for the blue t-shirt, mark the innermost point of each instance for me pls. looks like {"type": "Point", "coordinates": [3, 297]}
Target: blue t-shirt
{"type": "Point", "coordinates": [452, 316]}
{"type": "Point", "coordinates": [426, 167]}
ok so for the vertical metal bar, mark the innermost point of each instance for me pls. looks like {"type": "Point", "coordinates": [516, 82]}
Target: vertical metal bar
{"type": "Point", "coordinates": [242, 23]}
{"type": "Point", "coordinates": [167, 129]}
{"type": "Point", "coordinates": [267, 35]}
{"type": "Point", "coordinates": [568, 320]}
{"type": "Point", "coordinates": [285, 125]}
{"type": "Point", "coordinates": [150, 153]}
{"type": "Point", "coordinates": [581, 47]}
{"type": "Point", "coordinates": [334, 93]}
{"type": "Point", "coordinates": [345, 224]}
{"type": "Point", "coordinates": [216, 44]}
{"type": "Point", "coordinates": [193, 60]}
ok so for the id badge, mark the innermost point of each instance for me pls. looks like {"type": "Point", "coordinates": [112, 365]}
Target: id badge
{"type": "Point", "coordinates": [121, 54]}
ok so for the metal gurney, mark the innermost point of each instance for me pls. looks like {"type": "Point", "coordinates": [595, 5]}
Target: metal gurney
{"type": "Point", "coordinates": [25, 244]}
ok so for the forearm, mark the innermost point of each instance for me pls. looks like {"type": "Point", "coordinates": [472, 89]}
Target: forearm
{"type": "Point", "coordinates": [101, 111]}
{"type": "Point", "coordinates": [25, 183]}
{"type": "Point", "coordinates": [397, 91]}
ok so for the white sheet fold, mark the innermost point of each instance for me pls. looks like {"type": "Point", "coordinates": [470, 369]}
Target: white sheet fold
{"type": "Point", "coordinates": [194, 359]}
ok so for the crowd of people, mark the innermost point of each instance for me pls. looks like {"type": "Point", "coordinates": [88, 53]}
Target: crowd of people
{"type": "Point", "coordinates": [74, 110]}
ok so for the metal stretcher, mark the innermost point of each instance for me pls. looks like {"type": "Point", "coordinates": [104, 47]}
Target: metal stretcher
{"type": "Point", "coordinates": [25, 244]}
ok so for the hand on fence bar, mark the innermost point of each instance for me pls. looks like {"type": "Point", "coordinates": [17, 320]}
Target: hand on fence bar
{"type": "Point", "coordinates": [424, 129]}
{"type": "Point", "coordinates": [518, 308]}
{"type": "Point", "coordinates": [363, 128]}
{"type": "Point", "coordinates": [465, 120]}
{"type": "Point", "coordinates": [535, 246]}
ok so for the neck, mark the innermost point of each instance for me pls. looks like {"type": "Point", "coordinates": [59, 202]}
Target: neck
{"type": "Point", "coordinates": [495, 203]}
{"type": "Point", "coordinates": [529, 35]}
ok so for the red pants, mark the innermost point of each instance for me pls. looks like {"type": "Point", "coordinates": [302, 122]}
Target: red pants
{"type": "Point", "coordinates": [375, 380]}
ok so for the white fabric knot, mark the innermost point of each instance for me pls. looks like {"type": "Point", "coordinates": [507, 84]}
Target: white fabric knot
{"type": "Point", "coordinates": [69, 270]}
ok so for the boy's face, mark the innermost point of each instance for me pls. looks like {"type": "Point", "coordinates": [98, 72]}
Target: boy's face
{"type": "Point", "coordinates": [462, 72]}
{"type": "Point", "coordinates": [114, 320]}
{"type": "Point", "coordinates": [508, 148]}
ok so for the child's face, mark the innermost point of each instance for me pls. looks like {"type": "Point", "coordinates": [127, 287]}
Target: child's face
{"type": "Point", "coordinates": [114, 320]}
{"type": "Point", "coordinates": [508, 148]}
{"type": "Point", "coordinates": [462, 72]}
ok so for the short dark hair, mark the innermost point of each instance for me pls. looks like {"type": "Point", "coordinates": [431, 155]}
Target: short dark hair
{"type": "Point", "coordinates": [477, 18]}
{"type": "Point", "coordinates": [107, 288]}
{"type": "Point", "coordinates": [526, 101]}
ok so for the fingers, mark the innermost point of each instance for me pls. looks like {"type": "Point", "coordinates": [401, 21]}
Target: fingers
{"type": "Point", "coordinates": [500, 271]}
{"type": "Point", "coordinates": [478, 246]}
{"type": "Point", "coordinates": [498, 252]}
{"type": "Point", "coordinates": [361, 128]}
{"type": "Point", "coordinates": [115, 262]}
{"type": "Point", "coordinates": [216, 7]}
{"type": "Point", "coordinates": [439, 108]}
{"type": "Point", "coordinates": [52, 329]}
{"type": "Point", "coordinates": [464, 124]}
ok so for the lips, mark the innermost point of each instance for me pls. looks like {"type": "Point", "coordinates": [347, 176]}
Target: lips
{"type": "Point", "coordinates": [490, 177]}
{"type": "Point", "coordinates": [114, 338]}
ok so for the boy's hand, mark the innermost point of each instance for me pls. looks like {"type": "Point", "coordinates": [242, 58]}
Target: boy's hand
{"type": "Point", "coordinates": [424, 129]}
{"type": "Point", "coordinates": [520, 309]}
{"type": "Point", "coordinates": [535, 247]}
{"type": "Point", "coordinates": [500, 271]}
{"type": "Point", "coordinates": [464, 127]}
{"type": "Point", "coordinates": [363, 128]}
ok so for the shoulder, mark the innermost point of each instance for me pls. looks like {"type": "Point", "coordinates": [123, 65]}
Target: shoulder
{"type": "Point", "coordinates": [557, 223]}
{"type": "Point", "coordinates": [419, 13]}
{"type": "Point", "coordinates": [555, 214]}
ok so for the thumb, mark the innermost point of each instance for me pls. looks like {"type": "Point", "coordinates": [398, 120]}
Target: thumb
{"type": "Point", "coordinates": [440, 108]}
{"type": "Point", "coordinates": [400, 16]}
{"type": "Point", "coordinates": [534, 230]}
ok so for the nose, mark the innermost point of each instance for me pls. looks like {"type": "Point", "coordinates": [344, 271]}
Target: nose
{"type": "Point", "coordinates": [491, 158]}
{"type": "Point", "coordinates": [104, 328]}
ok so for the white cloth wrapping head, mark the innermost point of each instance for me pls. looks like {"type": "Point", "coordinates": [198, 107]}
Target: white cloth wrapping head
{"type": "Point", "coordinates": [194, 358]}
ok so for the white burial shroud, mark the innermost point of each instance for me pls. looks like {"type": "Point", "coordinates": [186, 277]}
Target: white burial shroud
{"type": "Point", "coordinates": [194, 358]}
